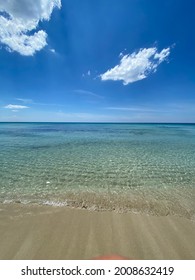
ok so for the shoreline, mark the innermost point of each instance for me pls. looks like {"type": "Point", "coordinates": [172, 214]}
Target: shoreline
{"type": "Point", "coordinates": [151, 203]}
{"type": "Point", "coordinates": [46, 232]}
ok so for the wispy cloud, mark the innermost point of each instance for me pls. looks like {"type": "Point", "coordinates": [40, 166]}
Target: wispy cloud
{"type": "Point", "coordinates": [172, 108]}
{"type": "Point", "coordinates": [52, 50]}
{"type": "Point", "coordinates": [32, 102]}
{"type": "Point", "coordinates": [86, 92]}
{"type": "Point", "coordinates": [88, 74]}
{"type": "Point", "coordinates": [48, 104]}
{"type": "Point", "coordinates": [133, 109]}
{"type": "Point", "coordinates": [136, 66]}
{"type": "Point", "coordinates": [24, 100]}
{"type": "Point", "coordinates": [18, 18]}
{"type": "Point", "coordinates": [15, 107]}
{"type": "Point", "coordinates": [123, 108]}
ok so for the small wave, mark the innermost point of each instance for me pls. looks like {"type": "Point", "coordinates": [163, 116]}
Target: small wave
{"type": "Point", "coordinates": [55, 203]}
{"type": "Point", "coordinates": [11, 201]}
{"type": "Point", "coordinates": [25, 202]}
{"type": "Point", "coordinates": [151, 204]}
{"type": "Point", "coordinates": [8, 201]}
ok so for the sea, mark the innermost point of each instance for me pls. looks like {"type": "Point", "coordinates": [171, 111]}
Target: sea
{"type": "Point", "coordinates": [122, 167]}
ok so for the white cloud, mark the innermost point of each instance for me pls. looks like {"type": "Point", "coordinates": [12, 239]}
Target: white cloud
{"type": "Point", "coordinates": [136, 66]}
{"type": "Point", "coordinates": [18, 18]}
{"type": "Point", "coordinates": [52, 50]}
{"type": "Point", "coordinates": [15, 107]}
{"type": "Point", "coordinates": [88, 74]}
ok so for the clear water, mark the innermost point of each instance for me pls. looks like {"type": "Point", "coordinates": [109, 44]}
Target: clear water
{"type": "Point", "coordinates": [147, 168]}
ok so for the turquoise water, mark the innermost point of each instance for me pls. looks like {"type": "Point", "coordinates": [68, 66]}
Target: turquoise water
{"type": "Point", "coordinates": [147, 168]}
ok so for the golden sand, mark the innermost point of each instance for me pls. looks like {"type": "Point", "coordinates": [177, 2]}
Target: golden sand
{"type": "Point", "coordinates": [46, 232]}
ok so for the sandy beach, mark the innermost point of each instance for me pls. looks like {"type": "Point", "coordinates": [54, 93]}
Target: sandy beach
{"type": "Point", "coordinates": [45, 232]}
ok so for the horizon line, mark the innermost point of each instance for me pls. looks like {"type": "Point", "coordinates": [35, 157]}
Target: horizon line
{"type": "Point", "coordinates": [92, 122]}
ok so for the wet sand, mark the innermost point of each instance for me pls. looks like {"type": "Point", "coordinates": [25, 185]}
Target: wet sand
{"type": "Point", "coordinates": [46, 232]}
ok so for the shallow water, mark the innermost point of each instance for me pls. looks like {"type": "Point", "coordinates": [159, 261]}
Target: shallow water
{"type": "Point", "coordinates": [146, 168]}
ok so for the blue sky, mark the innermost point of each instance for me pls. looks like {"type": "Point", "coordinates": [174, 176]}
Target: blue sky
{"type": "Point", "coordinates": [97, 61]}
